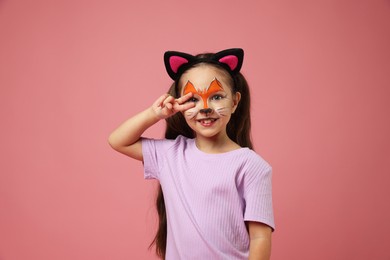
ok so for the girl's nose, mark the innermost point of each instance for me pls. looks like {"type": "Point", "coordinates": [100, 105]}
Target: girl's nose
{"type": "Point", "coordinates": [205, 111]}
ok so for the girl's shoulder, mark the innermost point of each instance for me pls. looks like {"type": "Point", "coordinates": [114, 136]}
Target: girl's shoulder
{"type": "Point", "coordinates": [257, 160]}
{"type": "Point", "coordinates": [166, 144]}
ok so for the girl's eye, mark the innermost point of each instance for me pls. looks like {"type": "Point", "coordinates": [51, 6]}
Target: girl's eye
{"type": "Point", "coordinates": [216, 97]}
{"type": "Point", "coordinates": [192, 100]}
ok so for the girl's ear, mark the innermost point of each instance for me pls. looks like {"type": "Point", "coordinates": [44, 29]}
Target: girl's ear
{"type": "Point", "coordinates": [233, 58]}
{"type": "Point", "coordinates": [173, 60]}
{"type": "Point", "coordinates": [236, 100]}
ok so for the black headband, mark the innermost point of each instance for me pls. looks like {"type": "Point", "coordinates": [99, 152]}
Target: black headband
{"type": "Point", "coordinates": [178, 62]}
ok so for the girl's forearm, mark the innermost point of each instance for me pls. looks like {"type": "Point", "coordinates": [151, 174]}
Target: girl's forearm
{"type": "Point", "coordinates": [260, 249]}
{"type": "Point", "coordinates": [130, 131]}
{"type": "Point", "coordinates": [126, 138]}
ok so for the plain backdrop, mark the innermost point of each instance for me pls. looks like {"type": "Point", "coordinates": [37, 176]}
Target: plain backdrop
{"type": "Point", "coordinates": [72, 71]}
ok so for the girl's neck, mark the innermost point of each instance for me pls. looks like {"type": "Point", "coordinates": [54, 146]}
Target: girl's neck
{"type": "Point", "coordinates": [215, 144]}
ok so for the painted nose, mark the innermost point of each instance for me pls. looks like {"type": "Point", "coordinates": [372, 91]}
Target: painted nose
{"type": "Point", "coordinates": [205, 111]}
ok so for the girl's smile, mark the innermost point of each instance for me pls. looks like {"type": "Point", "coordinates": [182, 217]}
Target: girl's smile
{"type": "Point", "coordinates": [207, 122]}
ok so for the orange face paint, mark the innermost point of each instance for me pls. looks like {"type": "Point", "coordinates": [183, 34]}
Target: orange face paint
{"type": "Point", "coordinates": [214, 87]}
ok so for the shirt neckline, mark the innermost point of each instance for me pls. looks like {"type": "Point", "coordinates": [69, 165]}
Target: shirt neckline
{"type": "Point", "coordinates": [210, 155]}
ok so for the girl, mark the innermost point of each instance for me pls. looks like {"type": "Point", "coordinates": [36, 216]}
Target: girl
{"type": "Point", "coordinates": [215, 198]}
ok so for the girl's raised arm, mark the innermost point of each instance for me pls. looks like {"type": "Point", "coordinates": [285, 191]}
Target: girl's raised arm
{"type": "Point", "coordinates": [126, 138]}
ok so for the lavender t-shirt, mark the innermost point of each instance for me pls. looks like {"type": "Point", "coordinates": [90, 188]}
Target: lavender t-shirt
{"type": "Point", "coordinates": [208, 197]}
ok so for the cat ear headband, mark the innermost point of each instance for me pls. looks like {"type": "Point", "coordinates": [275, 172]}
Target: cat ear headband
{"type": "Point", "coordinates": [177, 62]}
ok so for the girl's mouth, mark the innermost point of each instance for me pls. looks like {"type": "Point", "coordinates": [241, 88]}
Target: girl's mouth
{"type": "Point", "coordinates": [207, 121]}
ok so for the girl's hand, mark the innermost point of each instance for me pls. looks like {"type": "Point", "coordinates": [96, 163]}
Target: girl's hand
{"type": "Point", "coordinates": [166, 105]}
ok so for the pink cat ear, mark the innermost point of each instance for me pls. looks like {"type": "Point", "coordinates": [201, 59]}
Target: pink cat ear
{"type": "Point", "coordinates": [230, 60]}
{"type": "Point", "coordinates": [176, 62]}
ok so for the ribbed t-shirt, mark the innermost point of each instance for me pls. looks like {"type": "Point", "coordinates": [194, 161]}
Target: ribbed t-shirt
{"type": "Point", "coordinates": [208, 197]}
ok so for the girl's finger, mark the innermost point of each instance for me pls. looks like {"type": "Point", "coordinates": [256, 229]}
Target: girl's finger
{"type": "Point", "coordinates": [184, 106]}
{"type": "Point", "coordinates": [159, 101]}
{"type": "Point", "coordinates": [167, 100]}
{"type": "Point", "coordinates": [184, 98]}
{"type": "Point", "coordinates": [168, 106]}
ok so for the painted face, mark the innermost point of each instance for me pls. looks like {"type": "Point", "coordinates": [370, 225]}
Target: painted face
{"type": "Point", "coordinates": [210, 102]}
{"type": "Point", "coordinates": [204, 94]}
{"type": "Point", "coordinates": [214, 101]}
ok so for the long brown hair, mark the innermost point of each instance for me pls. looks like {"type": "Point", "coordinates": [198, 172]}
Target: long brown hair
{"type": "Point", "coordinates": [238, 129]}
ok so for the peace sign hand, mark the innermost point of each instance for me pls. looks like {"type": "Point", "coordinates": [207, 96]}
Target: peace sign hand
{"type": "Point", "coordinates": [166, 105]}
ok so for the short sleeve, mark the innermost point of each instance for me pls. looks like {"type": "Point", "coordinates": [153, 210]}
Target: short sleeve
{"type": "Point", "coordinates": [258, 197]}
{"type": "Point", "coordinates": [153, 151]}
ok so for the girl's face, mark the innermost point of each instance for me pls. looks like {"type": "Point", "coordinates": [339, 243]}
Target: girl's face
{"type": "Point", "coordinates": [213, 98]}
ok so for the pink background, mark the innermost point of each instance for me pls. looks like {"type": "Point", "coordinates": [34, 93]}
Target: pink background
{"type": "Point", "coordinates": [71, 71]}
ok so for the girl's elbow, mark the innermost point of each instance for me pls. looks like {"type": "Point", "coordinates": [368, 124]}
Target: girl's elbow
{"type": "Point", "coordinates": [114, 145]}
